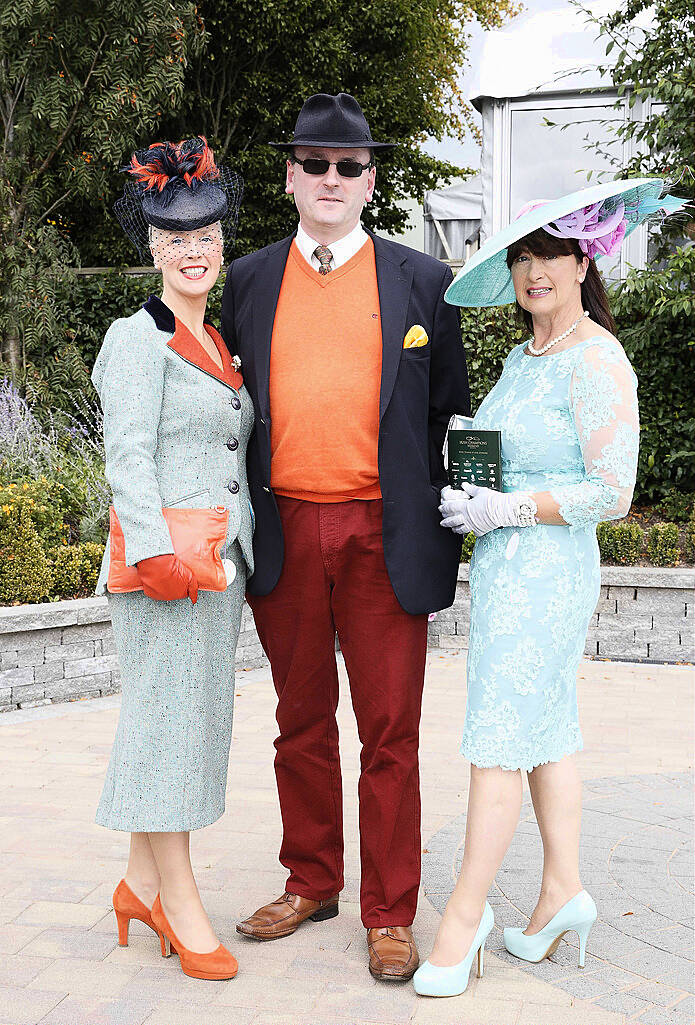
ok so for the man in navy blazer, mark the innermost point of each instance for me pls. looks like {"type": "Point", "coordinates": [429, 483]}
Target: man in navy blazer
{"type": "Point", "coordinates": [358, 550]}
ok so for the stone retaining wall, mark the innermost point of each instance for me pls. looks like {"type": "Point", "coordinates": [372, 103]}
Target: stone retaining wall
{"type": "Point", "coordinates": [64, 650]}
{"type": "Point", "coordinates": [644, 614]}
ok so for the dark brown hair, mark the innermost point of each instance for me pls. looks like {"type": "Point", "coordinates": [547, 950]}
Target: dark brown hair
{"type": "Point", "coordinates": [594, 298]}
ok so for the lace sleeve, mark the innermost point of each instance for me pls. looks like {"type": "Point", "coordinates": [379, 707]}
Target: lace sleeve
{"type": "Point", "coordinates": [603, 401]}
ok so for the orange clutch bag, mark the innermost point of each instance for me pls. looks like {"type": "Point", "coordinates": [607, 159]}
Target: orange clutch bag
{"type": "Point", "coordinates": [197, 536]}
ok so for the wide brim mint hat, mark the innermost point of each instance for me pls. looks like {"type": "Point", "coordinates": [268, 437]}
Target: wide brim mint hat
{"type": "Point", "coordinates": [613, 208]}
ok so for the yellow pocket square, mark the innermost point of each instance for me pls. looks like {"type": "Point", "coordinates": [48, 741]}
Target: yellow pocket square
{"type": "Point", "coordinates": [416, 337]}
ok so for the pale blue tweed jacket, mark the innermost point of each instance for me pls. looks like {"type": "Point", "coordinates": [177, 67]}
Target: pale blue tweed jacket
{"type": "Point", "coordinates": [173, 434]}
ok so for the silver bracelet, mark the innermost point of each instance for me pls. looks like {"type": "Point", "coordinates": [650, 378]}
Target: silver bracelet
{"type": "Point", "coordinates": [526, 510]}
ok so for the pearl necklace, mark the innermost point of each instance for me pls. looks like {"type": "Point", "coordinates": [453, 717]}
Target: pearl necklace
{"type": "Point", "coordinates": [554, 341]}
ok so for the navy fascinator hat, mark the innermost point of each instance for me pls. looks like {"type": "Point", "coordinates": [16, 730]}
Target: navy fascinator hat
{"type": "Point", "coordinates": [177, 187]}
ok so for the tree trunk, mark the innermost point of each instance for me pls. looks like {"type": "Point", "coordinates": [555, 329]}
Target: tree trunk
{"type": "Point", "coordinates": [13, 351]}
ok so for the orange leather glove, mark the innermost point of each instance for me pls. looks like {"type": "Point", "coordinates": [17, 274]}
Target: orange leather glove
{"type": "Point", "coordinates": [166, 578]}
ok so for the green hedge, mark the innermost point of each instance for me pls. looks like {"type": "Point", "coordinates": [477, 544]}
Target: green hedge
{"type": "Point", "coordinates": [654, 313]}
{"type": "Point", "coordinates": [652, 309]}
{"type": "Point", "coordinates": [94, 301]}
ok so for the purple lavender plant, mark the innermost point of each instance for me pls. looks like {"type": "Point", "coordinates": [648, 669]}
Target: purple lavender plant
{"type": "Point", "coordinates": [26, 450]}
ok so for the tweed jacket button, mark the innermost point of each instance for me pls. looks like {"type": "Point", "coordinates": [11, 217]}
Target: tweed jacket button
{"type": "Point", "coordinates": [236, 402]}
{"type": "Point", "coordinates": [232, 444]}
{"type": "Point", "coordinates": [233, 486]}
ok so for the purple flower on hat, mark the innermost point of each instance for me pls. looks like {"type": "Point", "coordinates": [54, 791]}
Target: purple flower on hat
{"type": "Point", "coordinates": [598, 231]}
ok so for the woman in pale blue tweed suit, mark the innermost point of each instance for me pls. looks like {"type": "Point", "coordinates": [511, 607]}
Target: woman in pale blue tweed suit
{"type": "Point", "coordinates": [176, 424]}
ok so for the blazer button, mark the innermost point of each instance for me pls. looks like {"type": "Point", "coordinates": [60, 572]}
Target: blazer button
{"type": "Point", "coordinates": [233, 486]}
{"type": "Point", "coordinates": [236, 402]}
{"type": "Point", "coordinates": [232, 444]}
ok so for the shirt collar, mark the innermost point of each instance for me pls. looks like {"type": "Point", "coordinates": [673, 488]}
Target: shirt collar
{"type": "Point", "coordinates": [342, 250]}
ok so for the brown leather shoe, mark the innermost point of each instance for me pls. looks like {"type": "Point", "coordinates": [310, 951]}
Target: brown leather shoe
{"type": "Point", "coordinates": [285, 915]}
{"type": "Point", "coordinates": [392, 952]}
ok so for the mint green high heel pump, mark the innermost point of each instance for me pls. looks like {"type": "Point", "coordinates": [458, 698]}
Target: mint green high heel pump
{"type": "Point", "coordinates": [577, 915]}
{"type": "Point", "coordinates": [434, 981]}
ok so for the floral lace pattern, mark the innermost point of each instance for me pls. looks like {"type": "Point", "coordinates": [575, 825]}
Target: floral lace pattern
{"type": "Point", "coordinates": [570, 427]}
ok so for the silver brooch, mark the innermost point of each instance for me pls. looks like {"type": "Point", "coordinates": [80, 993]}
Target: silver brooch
{"type": "Point", "coordinates": [236, 362]}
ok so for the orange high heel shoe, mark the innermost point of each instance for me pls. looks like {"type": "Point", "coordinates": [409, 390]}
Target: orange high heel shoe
{"type": "Point", "coordinates": [218, 964]}
{"type": "Point", "coordinates": [127, 906]}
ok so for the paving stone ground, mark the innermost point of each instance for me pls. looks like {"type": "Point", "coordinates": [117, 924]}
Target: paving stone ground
{"type": "Point", "coordinates": [59, 959]}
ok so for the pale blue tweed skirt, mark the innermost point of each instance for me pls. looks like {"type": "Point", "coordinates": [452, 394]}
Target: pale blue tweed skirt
{"type": "Point", "coordinates": [168, 767]}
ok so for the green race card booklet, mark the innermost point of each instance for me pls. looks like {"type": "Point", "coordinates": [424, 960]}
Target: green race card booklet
{"type": "Point", "coordinates": [474, 456]}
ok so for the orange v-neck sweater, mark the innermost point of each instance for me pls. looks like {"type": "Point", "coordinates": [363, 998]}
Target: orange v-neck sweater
{"type": "Point", "coordinates": [325, 379]}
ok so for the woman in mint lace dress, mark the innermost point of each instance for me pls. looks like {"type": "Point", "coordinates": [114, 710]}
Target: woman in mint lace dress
{"type": "Point", "coordinates": [566, 407]}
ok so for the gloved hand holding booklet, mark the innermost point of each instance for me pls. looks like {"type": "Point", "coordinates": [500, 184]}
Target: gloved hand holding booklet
{"type": "Point", "coordinates": [471, 455]}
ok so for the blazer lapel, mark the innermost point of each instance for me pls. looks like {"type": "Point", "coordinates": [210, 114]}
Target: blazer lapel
{"type": "Point", "coordinates": [189, 349]}
{"type": "Point", "coordinates": [394, 280]}
{"type": "Point", "coordinates": [269, 276]}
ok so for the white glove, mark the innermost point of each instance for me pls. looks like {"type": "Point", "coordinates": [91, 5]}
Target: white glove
{"type": "Point", "coordinates": [481, 510]}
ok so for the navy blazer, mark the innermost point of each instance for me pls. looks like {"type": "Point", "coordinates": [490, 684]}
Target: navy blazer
{"type": "Point", "coordinates": [420, 389]}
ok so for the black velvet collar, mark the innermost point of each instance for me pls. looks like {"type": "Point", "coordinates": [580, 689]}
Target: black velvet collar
{"type": "Point", "coordinates": [162, 316]}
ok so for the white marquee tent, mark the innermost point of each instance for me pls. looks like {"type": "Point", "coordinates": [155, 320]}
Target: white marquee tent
{"type": "Point", "coordinates": [452, 220]}
{"type": "Point", "coordinates": [527, 74]}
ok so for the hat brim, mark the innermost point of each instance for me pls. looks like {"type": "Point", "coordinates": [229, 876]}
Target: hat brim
{"type": "Point", "coordinates": [485, 279]}
{"type": "Point", "coordinates": [334, 144]}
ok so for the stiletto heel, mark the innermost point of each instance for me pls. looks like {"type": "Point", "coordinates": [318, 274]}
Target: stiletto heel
{"type": "Point", "coordinates": [218, 964]}
{"type": "Point", "coordinates": [436, 981]}
{"type": "Point", "coordinates": [122, 921]}
{"type": "Point", "coordinates": [583, 934]}
{"type": "Point", "coordinates": [126, 906]}
{"type": "Point", "coordinates": [577, 915]}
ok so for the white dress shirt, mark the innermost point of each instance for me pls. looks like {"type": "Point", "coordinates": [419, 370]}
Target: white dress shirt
{"type": "Point", "coordinates": [343, 250]}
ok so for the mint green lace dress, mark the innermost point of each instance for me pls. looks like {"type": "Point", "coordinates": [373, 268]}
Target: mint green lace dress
{"type": "Point", "coordinates": [569, 426]}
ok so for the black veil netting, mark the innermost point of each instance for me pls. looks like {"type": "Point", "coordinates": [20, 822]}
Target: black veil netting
{"type": "Point", "coordinates": [177, 187]}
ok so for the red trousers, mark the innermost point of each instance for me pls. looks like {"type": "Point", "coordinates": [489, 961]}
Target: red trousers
{"type": "Point", "coordinates": [334, 579]}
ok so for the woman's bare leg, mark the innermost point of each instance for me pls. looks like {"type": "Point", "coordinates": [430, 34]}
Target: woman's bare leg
{"type": "Point", "coordinates": [181, 901]}
{"type": "Point", "coordinates": [142, 874]}
{"type": "Point", "coordinates": [494, 802]}
{"type": "Point", "coordinates": [556, 792]}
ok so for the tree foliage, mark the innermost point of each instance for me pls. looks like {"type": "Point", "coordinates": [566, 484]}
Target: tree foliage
{"type": "Point", "coordinates": [650, 57]}
{"type": "Point", "coordinates": [78, 82]}
{"type": "Point", "coordinates": [262, 58]}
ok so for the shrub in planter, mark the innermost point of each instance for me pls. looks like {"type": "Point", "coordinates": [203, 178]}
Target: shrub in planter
{"type": "Point", "coordinates": [91, 564]}
{"type": "Point", "coordinates": [66, 565]}
{"type": "Point", "coordinates": [662, 544]}
{"type": "Point", "coordinates": [467, 550]}
{"type": "Point", "coordinates": [42, 499]}
{"type": "Point", "coordinates": [620, 542]}
{"type": "Point", "coordinates": [689, 543]}
{"type": "Point", "coordinates": [75, 569]}
{"type": "Point", "coordinates": [25, 574]}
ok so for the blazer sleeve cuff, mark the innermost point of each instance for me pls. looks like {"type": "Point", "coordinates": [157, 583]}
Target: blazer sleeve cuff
{"type": "Point", "coordinates": [137, 550]}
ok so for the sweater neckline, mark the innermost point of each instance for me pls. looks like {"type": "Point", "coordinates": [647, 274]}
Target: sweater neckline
{"type": "Point", "coordinates": [324, 280]}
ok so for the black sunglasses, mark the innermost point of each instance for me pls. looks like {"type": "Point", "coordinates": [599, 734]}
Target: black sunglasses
{"type": "Point", "coordinates": [345, 168]}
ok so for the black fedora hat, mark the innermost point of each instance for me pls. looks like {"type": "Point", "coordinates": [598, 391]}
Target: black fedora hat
{"type": "Point", "coordinates": [336, 122]}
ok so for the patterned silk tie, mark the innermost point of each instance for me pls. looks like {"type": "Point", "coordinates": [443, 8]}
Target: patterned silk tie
{"type": "Point", "coordinates": [324, 256]}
